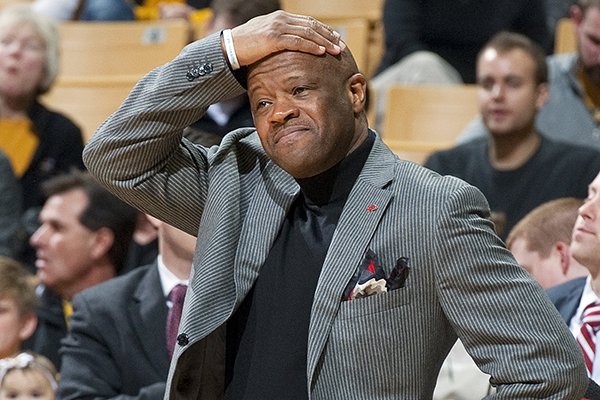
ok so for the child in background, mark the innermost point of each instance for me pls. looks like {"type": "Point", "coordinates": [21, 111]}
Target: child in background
{"type": "Point", "coordinates": [18, 302]}
{"type": "Point", "coordinates": [27, 376]}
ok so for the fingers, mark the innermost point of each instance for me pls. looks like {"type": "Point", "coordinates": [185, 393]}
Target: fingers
{"type": "Point", "coordinates": [279, 31]}
{"type": "Point", "coordinates": [306, 34]}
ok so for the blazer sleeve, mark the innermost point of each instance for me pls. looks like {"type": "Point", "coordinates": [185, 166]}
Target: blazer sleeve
{"type": "Point", "coordinates": [503, 317]}
{"type": "Point", "coordinates": [88, 371]}
{"type": "Point", "coordinates": [139, 153]}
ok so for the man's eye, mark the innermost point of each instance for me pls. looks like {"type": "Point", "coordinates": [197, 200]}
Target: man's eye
{"type": "Point", "coordinates": [298, 90]}
{"type": "Point", "coordinates": [262, 104]}
{"type": "Point", "coordinates": [486, 84]}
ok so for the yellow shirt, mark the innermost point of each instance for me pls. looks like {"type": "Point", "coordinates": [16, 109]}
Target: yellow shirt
{"type": "Point", "coordinates": [19, 142]}
{"type": "Point", "coordinates": [591, 93]}
{"type": "Point", "coordinates": [149, 11]}
{"type": "Point", "coordinates": [68, 312]}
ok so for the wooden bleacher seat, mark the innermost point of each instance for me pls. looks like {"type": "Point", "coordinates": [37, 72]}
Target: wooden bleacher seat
{"type": "Point", "coordinates": [101, 61]}
{"type": "Point", "coordinates": [88, 101]}
{"type": "Point", "coordinates": [4, 3]}
{"type": "Point", "coordinates": [565, 39]}
{"type": "Point", "coordinates": [119, 48]}
{"type": "Point", "coordinates": [421, 119]}
{"type": "Point", "coordinates": [370, 9]}
{"type": "Point", "coordinates": [339, 12]}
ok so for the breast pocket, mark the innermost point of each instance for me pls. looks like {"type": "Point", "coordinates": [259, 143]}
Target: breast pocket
{"type": "Point", "coordinates": [375, 304]}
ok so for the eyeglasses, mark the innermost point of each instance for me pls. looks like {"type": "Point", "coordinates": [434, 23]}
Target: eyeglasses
{"type": "Point", "coordinates": [25, 361]}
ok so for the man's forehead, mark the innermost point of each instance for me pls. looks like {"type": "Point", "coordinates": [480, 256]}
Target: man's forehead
{"type": "Point", "coordinates": [285, 66]}
{"type": "Point", "coordinates": [292, 59]}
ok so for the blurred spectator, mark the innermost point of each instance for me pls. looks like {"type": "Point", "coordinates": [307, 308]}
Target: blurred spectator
{"type": "Point", "coordinates": [82, 240]}
{"type": "Point", "coordinates": [118, 345]}
{"type": "Point", "coordinates": [27, 376]}
{"type": "Point", "coordinates": [571, 113]}
{"type": "Point", "coordinates": [555, 10]}
{"type": "Point", "coordinates": [117, 10]}
{"type": "Point", "coordinates": [456, 30]}
{"type": "Point", "coordinates": [541, 240]}
{"type": "Point", "coordinates": [516, 167]}
{"type": "Point", "coordinates": [86, 10]}
{"type": "Point", "coordinates": [17, 306]}
{"type": "Point", "coordinates": [39, 143]}
{"type": "Point", "coordinates": [437, 41]}
{"type": "Point", "coordinates": [11, 233]}
{"type": "Point", "coordinates": [42, 143]}
{"type": "Point", "coordinates": [578, 300]}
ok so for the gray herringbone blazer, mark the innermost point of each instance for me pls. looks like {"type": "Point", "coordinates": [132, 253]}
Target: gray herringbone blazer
{"type": "Point", "coordinates": [463, 282]}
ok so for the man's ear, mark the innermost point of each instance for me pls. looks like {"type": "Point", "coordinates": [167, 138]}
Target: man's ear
{"type": "Point", "coordinates": [104, 241]}
{"type": "Point", "coordinates": [563, 250]}
{"type": "Point", "coordinates": [576, 14]}
{"type": "Point", "coordinates": [358, 92]}
{"type": "Point", "coordinates": [542, 96]}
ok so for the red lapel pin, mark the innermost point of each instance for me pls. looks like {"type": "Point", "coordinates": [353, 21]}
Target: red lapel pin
{"type": "Point", "coordinates": [372, 207]}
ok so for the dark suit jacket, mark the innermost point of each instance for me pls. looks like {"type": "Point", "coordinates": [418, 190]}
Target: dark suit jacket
{"type": "Point", "coordinates": [117, 344]}
{"type": "Point", "coordinates": [566, 297]}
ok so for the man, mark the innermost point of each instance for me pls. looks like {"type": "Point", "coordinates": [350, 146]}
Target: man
{"type": "Point", "coordinates": [540, 242]}
{"type": "Point", "coordinates": [338, 270]}
{"type": "Point", "coordinates": [516, 167]}
{"type": "Point", "coordinates": [571, 112]}
{"type": "Point", "coordinates": [575, 299]}
{"type": "Point", "coordinates": [117, 344]}
{"type": "Point", "coordinates": [82, 240]}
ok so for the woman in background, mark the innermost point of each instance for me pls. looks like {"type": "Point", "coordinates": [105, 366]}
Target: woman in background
{"type": "Point", "coordinates": [39, 143]}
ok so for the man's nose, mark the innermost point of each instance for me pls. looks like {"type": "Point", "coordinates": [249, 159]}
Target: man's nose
{"type": "Point", "coordinates": [36, 238]}
{"type": "Point", "coordinates": [589, 209]}
{"type": "Point", "coordinates": [283, 111]}
{"type": "Point", "coordinates": [498, 91]}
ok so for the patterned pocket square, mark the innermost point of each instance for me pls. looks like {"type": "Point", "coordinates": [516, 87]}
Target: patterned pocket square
{"type": "Point", "coordinates": [370, 278]}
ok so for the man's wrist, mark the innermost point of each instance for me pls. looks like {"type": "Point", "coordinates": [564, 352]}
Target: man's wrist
{"type": "Point", "coordinates": [229, 49]}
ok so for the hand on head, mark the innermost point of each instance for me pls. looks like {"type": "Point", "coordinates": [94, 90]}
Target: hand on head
{"type": "Point", "coordinates": [279, 31]}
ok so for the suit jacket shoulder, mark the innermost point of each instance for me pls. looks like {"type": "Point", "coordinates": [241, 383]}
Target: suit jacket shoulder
{"type": "Point", "coordinates": [566, 296]}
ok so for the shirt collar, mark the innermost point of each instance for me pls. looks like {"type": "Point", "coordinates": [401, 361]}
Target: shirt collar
{"type": "Point", "coordinates": [587, 297]}
{"type": "Point", "coordinates": [168, 280]}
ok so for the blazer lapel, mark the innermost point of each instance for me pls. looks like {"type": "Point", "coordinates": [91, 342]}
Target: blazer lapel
{"type": "Point", "coordinates": [269, 206]}
{"type": "Point", "coordinates": [359, 220]}
{"type": "Point", "coordinates": [229, 281]}
{"type": "Point", "coordinates": [148, 314]}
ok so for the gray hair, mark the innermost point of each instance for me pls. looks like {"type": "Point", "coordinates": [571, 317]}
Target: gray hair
{"type": "Point", "coordinates": [19, 14]}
